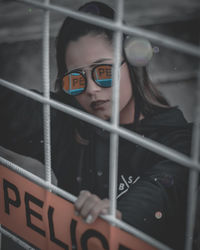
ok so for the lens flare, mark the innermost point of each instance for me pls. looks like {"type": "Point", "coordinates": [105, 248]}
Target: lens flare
{"type": "Point", "coordinates": [138, 51]}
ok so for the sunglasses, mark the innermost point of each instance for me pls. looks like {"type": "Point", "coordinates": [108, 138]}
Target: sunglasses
{"type": "Point", "coordinates": [75, 82]}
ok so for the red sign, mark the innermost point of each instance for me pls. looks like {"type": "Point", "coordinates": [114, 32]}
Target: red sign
{"type": "Point", "coordinates": [48, 221]}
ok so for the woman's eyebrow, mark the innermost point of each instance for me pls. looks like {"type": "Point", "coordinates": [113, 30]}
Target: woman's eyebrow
{"type": "Point", "coordinates": [102, 60]}
{"type": "Point", "coordinates": [92, 64]}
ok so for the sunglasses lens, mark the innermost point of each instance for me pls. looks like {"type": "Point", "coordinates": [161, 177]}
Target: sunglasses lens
{"type": "Point", "coordinates": [74, 83]}
{"type": "Point", "coordinates": [102, 75]}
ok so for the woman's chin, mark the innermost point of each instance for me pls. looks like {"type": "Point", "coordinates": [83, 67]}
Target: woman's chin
{"type": "Point", "coordinates": [102, 115]}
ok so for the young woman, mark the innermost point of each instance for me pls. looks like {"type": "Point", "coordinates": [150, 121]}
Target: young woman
{"type": "Point", "coordinates": [152, 190]}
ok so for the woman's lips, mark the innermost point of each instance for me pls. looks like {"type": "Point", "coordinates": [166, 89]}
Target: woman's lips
{"type": "Point", "coordinates": [98, 104]}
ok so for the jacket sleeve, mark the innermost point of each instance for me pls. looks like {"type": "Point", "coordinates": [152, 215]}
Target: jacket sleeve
{"type": "Point", "coordinates": [21, 124]}
{"type": "Point", "coordinates": [156, 203]}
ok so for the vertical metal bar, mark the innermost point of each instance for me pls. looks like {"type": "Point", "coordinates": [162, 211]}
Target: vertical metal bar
{"type": "Point", "coordinates": [0, 237]}
{"type": "Point", "coordinates": [114, 138]}
{"type": "Point", "coordinates": [194, 174]}
{"type": "Point", "coordinates": [46, 91]}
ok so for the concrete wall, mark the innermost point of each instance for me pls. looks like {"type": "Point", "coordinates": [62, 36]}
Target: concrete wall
{"type": "Point", "coordinates": [175, 73]}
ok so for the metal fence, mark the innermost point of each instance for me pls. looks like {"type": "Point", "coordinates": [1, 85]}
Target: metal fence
{"type": "Point", "coordinates": [114, 129]}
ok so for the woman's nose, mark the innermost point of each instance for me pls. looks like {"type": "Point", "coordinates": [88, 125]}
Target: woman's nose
{"type": "Point", "coordinates": [92, 87]}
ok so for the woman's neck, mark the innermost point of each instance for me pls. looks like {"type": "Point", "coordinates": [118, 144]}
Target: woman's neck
{"type": "Point", "coordinates": [128, 113]}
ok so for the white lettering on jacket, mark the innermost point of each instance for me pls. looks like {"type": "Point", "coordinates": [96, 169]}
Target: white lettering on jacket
{"type": "Point", "coordinates": [124, 184]}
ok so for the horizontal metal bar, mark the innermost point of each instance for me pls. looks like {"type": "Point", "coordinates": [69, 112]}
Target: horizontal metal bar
{"type": "Point", "coordinates": [38, 180]}
{"type": "Point", "coordinates": [137, 233]}
{"type": "Point", "coordinates": [15, 238]}
{"type": "Point", "coordinates": [12, 35]}
{"type": "Point", "coordinates": [72, 198]}
{"type": "Point", "coordinates": [153, 36]}
{"type": "Point", "coordinates": [124, 133]}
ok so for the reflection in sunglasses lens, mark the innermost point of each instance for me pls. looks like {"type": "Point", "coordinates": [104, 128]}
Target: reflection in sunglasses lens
{"type": "Point", "coordinates": [102, 75]}
{"type": "Point", "coordinates": [74, 83]}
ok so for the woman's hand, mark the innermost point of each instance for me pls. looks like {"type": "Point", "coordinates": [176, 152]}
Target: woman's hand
{"type": "Point", "coordinates": [89, 206]}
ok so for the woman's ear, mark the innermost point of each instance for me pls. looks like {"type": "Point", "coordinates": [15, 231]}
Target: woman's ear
{"type": "Point", "coordinates": [138, 51]}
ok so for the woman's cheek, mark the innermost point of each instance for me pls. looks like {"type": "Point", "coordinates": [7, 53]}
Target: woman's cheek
{"type": "Point", "coordinates": [82, 102]}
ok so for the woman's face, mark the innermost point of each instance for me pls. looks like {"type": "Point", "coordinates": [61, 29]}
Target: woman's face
{"type": "Point", "coordinates": [96, 49]}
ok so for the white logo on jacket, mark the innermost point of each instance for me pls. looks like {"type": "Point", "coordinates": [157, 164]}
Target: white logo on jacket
{"type": "Point", "coordinates": [124, 184]}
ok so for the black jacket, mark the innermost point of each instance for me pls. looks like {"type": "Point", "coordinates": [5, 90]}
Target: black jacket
{"type": "Point", "coordinates": [152, 190]}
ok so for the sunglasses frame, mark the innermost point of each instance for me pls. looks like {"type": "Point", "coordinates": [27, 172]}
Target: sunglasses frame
{"type": "Point", "coordinates": [83, 74]}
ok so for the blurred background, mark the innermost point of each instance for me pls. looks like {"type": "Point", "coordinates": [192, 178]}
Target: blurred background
{"type": "Point", "coordinates": [173, 72]}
